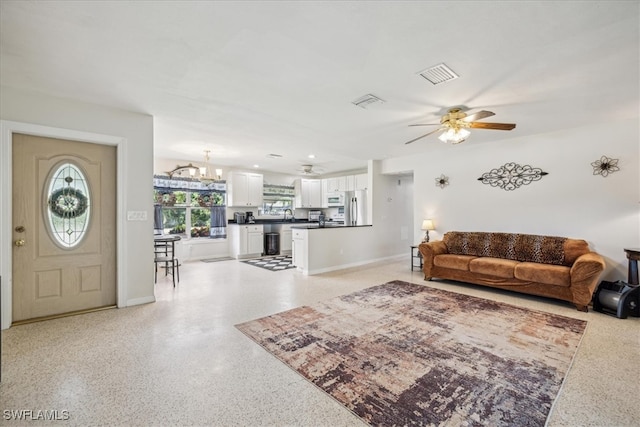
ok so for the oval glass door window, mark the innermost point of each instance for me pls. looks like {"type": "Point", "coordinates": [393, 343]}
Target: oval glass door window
{"type": "Point", "coordinates": [69, 205]}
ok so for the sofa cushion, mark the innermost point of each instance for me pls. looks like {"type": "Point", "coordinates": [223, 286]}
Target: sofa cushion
{"type": "Point", "coordinates": [517, 247]}
{"type": "Point", "coordinates": [493, 266]}
{"type": "Point", "coordinates": [543, 273]}
{"type": "Point", "coordinates": [455, 262]}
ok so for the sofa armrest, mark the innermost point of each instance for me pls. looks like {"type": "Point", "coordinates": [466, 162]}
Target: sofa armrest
{"type": "Point", "coordinates": [429, 252]}
{"type": "Point", "coordinates": [585, 273]}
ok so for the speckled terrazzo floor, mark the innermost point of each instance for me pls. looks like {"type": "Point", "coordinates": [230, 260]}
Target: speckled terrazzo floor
{"type": "Point", "coordinates": [180, 361]}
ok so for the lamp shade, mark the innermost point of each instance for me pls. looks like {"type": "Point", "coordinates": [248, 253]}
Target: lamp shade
{"type": "Point", "coordinates": [427, 224]}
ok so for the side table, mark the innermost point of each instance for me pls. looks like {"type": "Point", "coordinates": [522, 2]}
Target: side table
{"type": "Point", "coordinates": [415, 254]}
{"type": "Point", "coordinates": [633, 254]}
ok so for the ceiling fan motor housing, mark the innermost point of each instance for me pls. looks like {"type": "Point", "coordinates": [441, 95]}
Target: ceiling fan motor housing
{"type": "Point", "coordinates": [453, 119]}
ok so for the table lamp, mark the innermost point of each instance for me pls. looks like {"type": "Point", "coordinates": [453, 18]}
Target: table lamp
{"type": "Point", "coordinates": [427, 225]}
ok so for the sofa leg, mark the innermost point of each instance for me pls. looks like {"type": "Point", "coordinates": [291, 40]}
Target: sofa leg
{"type": "Point", "coordinates": [428, 278]}
{"type": "Point", "coordinates": [582, 308]}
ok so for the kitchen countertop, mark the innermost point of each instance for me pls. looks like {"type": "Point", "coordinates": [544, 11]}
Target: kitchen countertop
{"type": "Point", "coordinates": [298, 223]}
{"type": "Point", "coordinates": [274, 221]}
{"type": "Point", "coordinates": [327, 225]}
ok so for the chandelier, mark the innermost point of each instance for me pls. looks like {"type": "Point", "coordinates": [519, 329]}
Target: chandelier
{"type": "Point", "coordinates": [202, 173]}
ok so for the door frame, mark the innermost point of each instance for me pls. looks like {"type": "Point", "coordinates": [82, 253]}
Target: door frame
{"type": "Point", "coordinates": [7, 129]}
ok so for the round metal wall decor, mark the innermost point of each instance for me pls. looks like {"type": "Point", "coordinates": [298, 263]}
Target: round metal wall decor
{"type": "Point", "coordinates": [605, 166]}
{"type": "Point", "coordinates": [511, 176]}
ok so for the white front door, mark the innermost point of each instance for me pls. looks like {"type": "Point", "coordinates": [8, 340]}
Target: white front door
{"type": "Point", "coordinates": [64, 226]}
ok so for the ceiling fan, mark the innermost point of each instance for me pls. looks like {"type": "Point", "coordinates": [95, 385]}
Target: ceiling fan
{"type": "Point", "coordinates": [455, 124]}
{"type": "Point", "coordinates": [307, 170]}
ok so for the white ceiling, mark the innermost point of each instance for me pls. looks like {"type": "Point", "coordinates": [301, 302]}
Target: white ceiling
{"type": "Point", "coordinates": [246, 79]}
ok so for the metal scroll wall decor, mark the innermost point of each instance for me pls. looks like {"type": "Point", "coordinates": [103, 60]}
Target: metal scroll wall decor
{"type": "Point", "coordinates": [511, 176]}
{"type": "Point", "coordinates": [605, 166]}
{"type": "Point", "coordinates": [442, 181]}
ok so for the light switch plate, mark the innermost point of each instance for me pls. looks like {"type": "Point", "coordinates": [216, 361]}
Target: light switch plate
{"type": "Point", "coordinates": [136, 215]}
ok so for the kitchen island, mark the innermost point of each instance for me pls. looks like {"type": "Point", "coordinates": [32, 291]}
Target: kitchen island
{"type": "Point", "coordinates": [318, 249]}
{"type": "Point", "coordinates": [247, 240]}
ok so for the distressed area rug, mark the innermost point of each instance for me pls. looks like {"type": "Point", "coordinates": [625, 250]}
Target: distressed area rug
{"type": "Point", "coordinates": [406, 354]}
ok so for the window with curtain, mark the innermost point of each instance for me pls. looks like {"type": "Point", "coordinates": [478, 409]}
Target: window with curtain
{"type": "Point", "coordinates": [189, 207]}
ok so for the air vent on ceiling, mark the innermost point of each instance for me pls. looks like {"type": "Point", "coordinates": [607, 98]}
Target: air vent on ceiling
{"type": "Point", "coordinates": [365, 101]}
{"type": "Point", "coordinates": [439, 74]}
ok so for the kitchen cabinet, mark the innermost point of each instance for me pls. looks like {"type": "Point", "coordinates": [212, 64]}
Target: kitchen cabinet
{"type": "Point", "coordinates": [286, 236]}
{"type": "Point", "coordinates": [299, 249]}
{"type": "Point", "coordinates": [308, 193]}
{"type": "Point", "coordinates": [345, 183]}
{"type": "Point", "coordinates": [349, 183]}
{"type": "Point", "coordinates": [244, 189]}
{"type": "Point", "coordinates": [361, 181]}
{"type": "Point", "coordinates": [336, 184]}
{"type": "Point", "coordinates": [246, 240]}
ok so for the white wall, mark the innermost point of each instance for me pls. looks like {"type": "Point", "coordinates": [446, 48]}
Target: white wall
{"type": "Point", "coordinates": [569, 202]}
{"type": "Point", "coordinates": [392, 215]}
{"type": "Point", "coordinates": [137, 169]}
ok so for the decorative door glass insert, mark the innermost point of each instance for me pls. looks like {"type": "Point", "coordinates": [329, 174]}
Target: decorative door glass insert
{"type": "Point", "coordinates": [69, 203]}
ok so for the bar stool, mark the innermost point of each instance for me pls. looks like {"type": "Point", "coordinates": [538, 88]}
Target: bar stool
{"type": "Point", "coordinates": [164, 254]}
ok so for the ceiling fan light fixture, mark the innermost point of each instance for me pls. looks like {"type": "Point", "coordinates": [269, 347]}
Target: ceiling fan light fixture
{"type": "Point", "coordinates": [454, 136]}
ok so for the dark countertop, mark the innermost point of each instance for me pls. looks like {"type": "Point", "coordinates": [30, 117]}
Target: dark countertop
{"type": "Point", "coordinates": [275, 221]}
{"type": "Point", "coordinates": [298, 223]}
{"type": "Point", "coordinates": [327, 226]}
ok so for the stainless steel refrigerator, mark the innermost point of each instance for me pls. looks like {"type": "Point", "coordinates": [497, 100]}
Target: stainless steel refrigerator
{"type": "Point", "coordinates": [355, 207]}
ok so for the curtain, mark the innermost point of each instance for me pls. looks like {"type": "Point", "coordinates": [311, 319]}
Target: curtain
{"type": "Point", "coordinates": [157, 219]}
{"type": "Point", "coordinates": [218, 229]}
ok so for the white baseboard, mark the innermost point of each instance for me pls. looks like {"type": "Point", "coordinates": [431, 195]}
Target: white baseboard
{"type": "Point", "coordinates": [140, 301]}
{"type": "Point", "coordinates": [350, 265]}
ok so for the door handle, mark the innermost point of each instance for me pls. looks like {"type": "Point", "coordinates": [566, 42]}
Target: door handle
{"type": "Point", "coordinates": [19, 242]}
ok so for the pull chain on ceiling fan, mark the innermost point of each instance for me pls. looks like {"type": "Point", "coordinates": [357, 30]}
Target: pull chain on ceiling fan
{"type": "Point", "coordinates": [455, 124]}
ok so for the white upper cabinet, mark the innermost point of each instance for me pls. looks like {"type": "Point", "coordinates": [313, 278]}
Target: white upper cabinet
{"type": "Point", "coordinates": [244, 189]}
{"type": "Point", "coordinates": [308, 193]}
{"type": "Point", "coordinates": [336, 184]}
{"type": "Point", "coordinates": [361, 181]}
{"type": "Point", "coordinates": [345, 183]}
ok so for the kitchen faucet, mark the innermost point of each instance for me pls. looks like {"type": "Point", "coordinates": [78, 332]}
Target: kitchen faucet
{"type": "Point", "coordinates": [285, 214]}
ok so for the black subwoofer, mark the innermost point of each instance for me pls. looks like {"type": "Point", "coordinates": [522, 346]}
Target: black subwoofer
{"type": "Point", "coordinates": [619, 299]}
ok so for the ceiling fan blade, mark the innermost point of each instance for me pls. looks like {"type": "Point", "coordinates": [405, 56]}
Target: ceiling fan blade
{"type": "Point", "coordinates": [426, 134]}
{"type": "Point", "coordinates": [426, 124]}
{"type": "Point", "coordinates": [479, 115]}
{"type": "Point", "coordinates": [495, 126]}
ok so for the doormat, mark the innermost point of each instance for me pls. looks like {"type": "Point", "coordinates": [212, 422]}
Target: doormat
{"type": "Point", "coordinates": [407, 354]}
{"type": "Point", "coordinates": [273, 263]}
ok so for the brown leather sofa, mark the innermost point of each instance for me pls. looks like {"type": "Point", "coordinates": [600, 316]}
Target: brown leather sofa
{"type": "Point", "coordinates": [548, 266]}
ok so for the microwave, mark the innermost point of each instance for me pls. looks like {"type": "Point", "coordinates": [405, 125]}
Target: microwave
{"type": "Point", "coordinates": [335, 200]}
